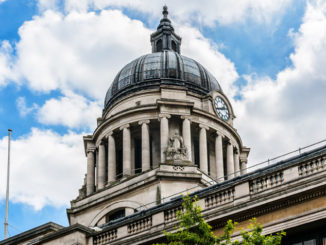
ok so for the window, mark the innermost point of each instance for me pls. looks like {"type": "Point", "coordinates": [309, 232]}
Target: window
{"type": "Point", "coordinates": [117, 214]}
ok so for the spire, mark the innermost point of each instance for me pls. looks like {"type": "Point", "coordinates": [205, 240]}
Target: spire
{"type": "Point", "coordinates": [165, 38]}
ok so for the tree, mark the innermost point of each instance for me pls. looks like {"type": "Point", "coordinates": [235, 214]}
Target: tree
{"type": "Point", "coordinates": [194, 230]}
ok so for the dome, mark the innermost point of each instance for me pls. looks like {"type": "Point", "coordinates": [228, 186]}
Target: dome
{"type": "Point", "coordinates": [164, 65]}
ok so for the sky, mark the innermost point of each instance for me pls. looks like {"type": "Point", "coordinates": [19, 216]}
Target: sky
{"type": "Point", "coordinates": [58, 58]}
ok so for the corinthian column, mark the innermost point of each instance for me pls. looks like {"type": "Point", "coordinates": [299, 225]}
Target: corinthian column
{"type": "Point", "coordinates": [164, 134]}
{"type": "Point", "coordinates": [230, 161]}
{"type": "Point", "coordinates": [186, 134]}
{"type": "Point", "coordinates": [236, 163]}
{"type": "Point", "coordinates": [145, 155]}
{"type": "Point", "coordinates": [112, 173]}
{"type": "Point", "coordinates": [101, 166]}
{"type": "Point", "coordinates": [126, 149]}
{"type": "Point", "coordinates": [90, 180]}
{"type": "Point", "coordinates": [203, 149]}
{"type": "Point", "coordinates": [219, 158]}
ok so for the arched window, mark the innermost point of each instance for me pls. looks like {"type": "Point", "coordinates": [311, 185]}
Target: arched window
{"type": "Point", "coordinates": [116, 214]}
{"type": "Point", "coordinates": [159, 45]}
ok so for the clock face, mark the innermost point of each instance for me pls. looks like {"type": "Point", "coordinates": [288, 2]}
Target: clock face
{"type": "Point", "coordinates": [221, 108]}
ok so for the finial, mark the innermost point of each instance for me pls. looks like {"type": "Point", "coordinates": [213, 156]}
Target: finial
{"type": "Point", "coordinates": [165, 11]}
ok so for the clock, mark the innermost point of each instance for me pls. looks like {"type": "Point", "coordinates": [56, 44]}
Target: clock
{"type": "Point", "coordinates": [221, 108]}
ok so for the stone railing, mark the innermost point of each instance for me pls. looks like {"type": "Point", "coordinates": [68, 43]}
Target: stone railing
{"type": "Point", "coordinates": [171, 214]}
{"type": "Point", "coordinates": [266, 182]}
{"type": "Point", "coordinates": [237, 193]}
{"type": "Point", "coordinates": [219, 198]}
{"type": "Point", "coordinates": [140, 225]}
{"type": "Point", "coordinates": [106, 237]}
{"type": "Point", "coordinates": [313, 166]}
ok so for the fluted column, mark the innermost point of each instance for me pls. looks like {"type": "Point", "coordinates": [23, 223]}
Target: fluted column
{"type": "Point", "coordinates": [101, 166]}
{"type": "Point", "coordinates": [203, 149]}
{"type": "Point", "coordinates": [164, 134]}
{"type": "Point", "coordinates": [219, 158]}
{"type": "Point", "coordinates": [186, 134]}
{"type": "Point", "coordinates": [145, 154]}
{"type": "Point", "coordinates": [230, 161]}
{"type": "Point", "coordinates": [236, 163]}
{"type": "Point", "coordinates": [126, 144]}
{"type": "Point", "coordinates": [90, 180]}
{"type": "Point", "coordinates": [112, 172]}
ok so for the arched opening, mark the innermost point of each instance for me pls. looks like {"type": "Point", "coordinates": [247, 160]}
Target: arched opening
{"type": "Point", "coordinates": [174, 46]}
{"type": "Point", "coordinates": [116, 214]}
{"type": "Point", "coordinates": [159, 45]}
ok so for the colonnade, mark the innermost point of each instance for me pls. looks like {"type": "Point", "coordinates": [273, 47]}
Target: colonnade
{"type": "Point", "coordinates": [233, 167]}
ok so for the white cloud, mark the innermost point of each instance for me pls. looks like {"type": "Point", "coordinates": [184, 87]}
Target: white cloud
{"type": "Point", "coordinates": [6, 63]}
{"type": "Point", "coordinates": [73, 111]}
{"type": "Point", "coordinates": [78, 52]}
{"type": "Point", "coordinates": [43, 164]}
{"type": "Point", "coordinates": [23, 108]}
{"type": "Point", "coordinates": [206, 12]}
{"type": "Point", "coordinates": [276, 116]}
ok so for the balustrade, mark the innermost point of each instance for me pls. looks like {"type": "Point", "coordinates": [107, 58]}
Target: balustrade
{"type": "Point", "coordinates": [106, 237]}
{"type": "Point", "coordinates": [313, 166]}
{"type": "Point", "coordinates": [140, 225]}
{"type": "Point", "coordinates": [171, 214]}
{"type": "Point", "coordinates": [266, 182]}
{"type": "Point", "coordinates": [218, 198]}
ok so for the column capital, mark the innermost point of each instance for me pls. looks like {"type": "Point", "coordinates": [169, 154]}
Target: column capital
{"type": "Point", "coordinates": [183, 117]}
{"type": "Point", "coordinates": [141, 122]}
{"type": "Point", "coordinates": [217, 133]}
{"type": "Point", "coordinates": [163, 115]}
{"type": "Point", "coordinates": [109, 134]}
{"type": "Point", "coordinates": [124, 126]}
{"type": "Point", "coordinates": [203, 126]}
{"type": "Point", "coordinates": [91, 149]}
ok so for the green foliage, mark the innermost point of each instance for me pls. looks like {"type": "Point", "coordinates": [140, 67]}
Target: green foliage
{"type": "Point", "coordinates": [193, 230]}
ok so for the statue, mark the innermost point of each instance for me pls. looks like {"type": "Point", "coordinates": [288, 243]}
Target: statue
{"type": "Point", "coordinates": [176, 150]}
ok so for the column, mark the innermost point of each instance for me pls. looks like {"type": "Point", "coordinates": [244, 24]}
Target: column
{"type": "Point", "coordinates": [236, 163]}
{"type": "Point", "coordinates": [186, 134]}
{"type": "Point", "coordinates": [203, 149]}
{"type": "Point", "coordinates": [126, 161]}
{"type": "Point", "coordinates": [243, 167]}
{"type": "Point", "coordinates": [219, 158]}
{"type": "Point", "coordinates": [145, 154]}
{"type": "Point", "coordinates": [230, 161]}
{"type": "Point", "coordinates": [112, 172]}
{"type": "Point", "coordinates": [90, 181]}
{"type": "Point", "coordinates": [164, 134]}
{"type": "Point", "coordinates": [101, 166]}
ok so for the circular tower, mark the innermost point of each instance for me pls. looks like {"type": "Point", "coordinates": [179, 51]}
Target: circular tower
{"type": "Point", "coordinates": [166, 129]}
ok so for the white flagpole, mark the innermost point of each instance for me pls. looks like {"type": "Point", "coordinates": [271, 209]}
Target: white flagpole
{"type": "Point", "coordinates": [7, 192]}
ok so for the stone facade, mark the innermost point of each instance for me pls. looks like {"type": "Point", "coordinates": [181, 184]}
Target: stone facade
{"type": "Point", "coordinates": [169, 131]}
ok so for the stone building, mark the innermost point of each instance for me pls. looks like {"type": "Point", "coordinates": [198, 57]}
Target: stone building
{"type": "Point", "coordinates": [166, 130]}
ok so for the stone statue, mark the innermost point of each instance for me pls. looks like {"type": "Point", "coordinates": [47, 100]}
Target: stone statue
{"type": "Point", "coordinates": [176, 150]}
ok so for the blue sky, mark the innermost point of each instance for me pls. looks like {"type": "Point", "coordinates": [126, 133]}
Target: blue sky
{"type": "Point", "coordinates": [57, 58]}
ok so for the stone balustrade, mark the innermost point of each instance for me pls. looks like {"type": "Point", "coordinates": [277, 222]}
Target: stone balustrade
{"type": "Point", "coordinates": [171, 214]}
{"type": "Point", "coordinates": [219, 198]}
{"type": "Point", "coordinates": [313, 166]}
{"type": "Point", "coordinates": [140, 225]}
{"type": "Point", "coordinates": [106, 237]}
{"type": "Point", "coordinates": [266, 182]}
{"type": "Point", "coordinates": [240, 191]}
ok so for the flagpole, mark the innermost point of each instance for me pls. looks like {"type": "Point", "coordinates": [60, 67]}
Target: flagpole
{"type": "Point", "coordinates": [7, 192]}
